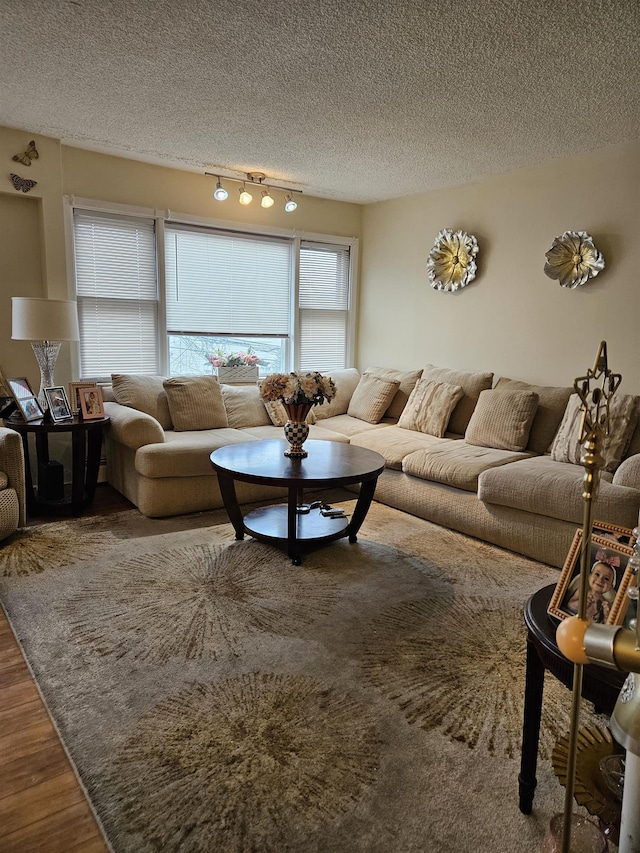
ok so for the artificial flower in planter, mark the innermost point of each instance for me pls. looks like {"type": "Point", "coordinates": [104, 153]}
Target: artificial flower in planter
{"type": "Point", "coordinates": [234, 359]}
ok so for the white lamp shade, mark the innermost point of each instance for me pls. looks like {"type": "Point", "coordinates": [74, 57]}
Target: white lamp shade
{"type": "Point", "coordinates": [35, 319]}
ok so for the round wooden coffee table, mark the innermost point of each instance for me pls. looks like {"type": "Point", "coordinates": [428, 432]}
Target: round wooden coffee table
{"type": "Point", "coordinates": [328, 464]}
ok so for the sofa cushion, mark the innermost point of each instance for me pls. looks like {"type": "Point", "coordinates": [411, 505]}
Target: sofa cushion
{"type": "Point", "coordinates": [394, 443]}
{"type": "Point", "coordinates": [195, 402]}
{"type": "Point", "coordinates": [245, 407]}
{"type": "Point", "coordinates": [372, 397]}
{"type": "Point", "coordinates": [623, 417]}
{"type": "Point", "coordinates": [472, 384]}
{"type": "Point", "coordinates": [316, 432]}
{"type": "Point", "coordinates": [346, 382]}
{"type": "Point", "coordinates": [502, 419]}
{"type": "Point", "coordinates": [407, 380]}
{"type": "Point", "coordinates": [430, 406]}
{"type": "Point", "coordinates": [144, 393]}
{"type": "Point", "coordinates": [456, 463]}
{"type": "Point", "coordinates": [186, 454]}
{"type": "Point", "coordinates": [554, 489]}
{"type": "Point", "coordinates": [552, 401]}
{"type": "Point", "coordinates": [346, 425]}
{"type": "Point", "coordinates": [278, 413]}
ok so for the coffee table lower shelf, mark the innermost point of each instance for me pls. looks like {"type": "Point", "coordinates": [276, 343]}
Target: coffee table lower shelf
{"type": "Point", "coordinates": [271, 524]}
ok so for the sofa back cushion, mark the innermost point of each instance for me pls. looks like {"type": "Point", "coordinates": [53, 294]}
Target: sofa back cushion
{"type": "Point", "coordinates": [552, 402]}
{"type": "Point", "coordinates": [346, 383]}
{"type": "Point", "coordinates": [430, 406]}
{"type": "Point", "coordinates": [144, 393]}
{"type": "Point", "coordinates": [195, 402]}
{"type": "Point", "coordinates": [471, 383]}
{"type": "Point", "coordinates": [372, 397]}
{"type": "Point", "coordinates": [502, 419]}
{"type": "Point", "coordinates": [244, 406]}
{"type": "Point", "coordinates": [407, 380]}
{"type": "Point", "coordinates": [623, 418]}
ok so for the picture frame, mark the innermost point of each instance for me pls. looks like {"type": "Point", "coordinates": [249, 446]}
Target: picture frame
{"type": "Point", "coordinates": [611, 547]}
{"type": "Point", "coordinates": [26, 401]}
{"type": "Point", "coordinates": [74, 396]}
{"type": "Point", "coordinates": [5, 390]}
{"type": "Point", "coordinates": [91, 402]}
{"type": "Point", "coordinates": [58, 403]}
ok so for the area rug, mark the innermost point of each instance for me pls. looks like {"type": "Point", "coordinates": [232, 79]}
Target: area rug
{"type": "Point", "coordinates": [214, 697]}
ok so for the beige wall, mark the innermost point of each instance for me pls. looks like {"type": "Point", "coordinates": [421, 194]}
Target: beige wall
{"type": "Point", "coordinates": [512, 319]}
{"type": "Point", "coordinates": [32, 249]}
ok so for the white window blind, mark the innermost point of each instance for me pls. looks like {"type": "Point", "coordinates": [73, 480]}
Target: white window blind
{"type": "Point", "coordinates": [115, 264]}
{"type": "Point", "coordinates": [323, 305]}
{"type": "Point", "coordinates": [227, 283]}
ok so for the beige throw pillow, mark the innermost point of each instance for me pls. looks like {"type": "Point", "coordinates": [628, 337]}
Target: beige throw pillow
{"type": "Point", "coordinates": [244, 406]}
{"type": "Point", "coordinates": [471, 383]}
{"type": "Point", "coordinates": [502, 419]}
{"type": "Point", "coordinates": [144, 393]}
{"type": "Point", "coordinates": [407, 380]}
{"type": "Point", "coordinates": [430, 406]}
{"type": "Point", "coordinates": [623, 417]}
{"type": "Point", "coordinates": [278, 413]}
{"type": "Point", "coordinates": [552, 403]}
{"type": "Point", "coordinates": [372, 397]}
{"type": "Point", "coordinates": [195, 402]}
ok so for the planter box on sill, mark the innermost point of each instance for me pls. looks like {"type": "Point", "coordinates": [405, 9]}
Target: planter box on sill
{"type": "Point", "coordinates": [241, 374]}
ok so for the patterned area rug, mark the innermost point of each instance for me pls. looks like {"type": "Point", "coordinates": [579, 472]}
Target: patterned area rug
{"type": "Point", "coordinates": [216, 698]}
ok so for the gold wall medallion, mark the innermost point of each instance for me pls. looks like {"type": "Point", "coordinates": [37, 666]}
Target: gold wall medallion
{"type": "Point", "coordinates": [573, 259]}
{"type": "Point", "coordinates": [451, 262]}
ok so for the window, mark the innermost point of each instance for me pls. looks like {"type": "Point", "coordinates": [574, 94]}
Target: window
{"type": "Point", "coordinates": [214, 292]}
{"type": "Point", "coordinates": [115, 265]}
{"type": "Point", "coordinates": [226, 293]}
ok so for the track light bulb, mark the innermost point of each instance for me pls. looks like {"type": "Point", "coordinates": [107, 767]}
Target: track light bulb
{"type": "Point", "coordinates": [220, 194]}
{"type": "Point", "coordinates": [245, 196]}
{"type": "Point", "coordinates": [267, 201]}
{"type": "Point", "coordinates": [289, 204]}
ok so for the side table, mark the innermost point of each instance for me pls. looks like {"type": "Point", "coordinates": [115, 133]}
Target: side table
{"type": "Point", "coordinates": [600, 685]}
{"type": "Point", "coordinates": [86, 445]}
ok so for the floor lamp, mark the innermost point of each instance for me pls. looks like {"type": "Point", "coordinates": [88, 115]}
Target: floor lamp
{"type": "Point", "coordinates": [46, 323]}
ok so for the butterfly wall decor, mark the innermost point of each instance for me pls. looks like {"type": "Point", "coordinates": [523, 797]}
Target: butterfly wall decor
{"type": "Point", "coordinates": [23, 184]}
{"type": "Point", "coordinates": [31, 153]}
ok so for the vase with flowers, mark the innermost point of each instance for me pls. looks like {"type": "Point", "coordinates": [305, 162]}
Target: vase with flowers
{"type": "Point", "coordinates": [298, 393]}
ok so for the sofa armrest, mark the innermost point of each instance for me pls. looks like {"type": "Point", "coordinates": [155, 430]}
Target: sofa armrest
{"type": "Point", "coordinates": [628, 472]}
{"type": "Point", "coordinates": [132, 428]}
{"type": "Point", "coordinates": [12, 464]}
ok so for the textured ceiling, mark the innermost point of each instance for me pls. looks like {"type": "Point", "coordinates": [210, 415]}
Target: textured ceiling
{"type": "Point", "coordinates": [358, 101]}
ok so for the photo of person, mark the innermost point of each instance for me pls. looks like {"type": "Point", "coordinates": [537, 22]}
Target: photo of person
{"type": "Point", "coordinates": [601, 593]}
{"type": "Point", "coordinates": [91, 403]}
{"type": "Point", "coordinates": [59, 408]}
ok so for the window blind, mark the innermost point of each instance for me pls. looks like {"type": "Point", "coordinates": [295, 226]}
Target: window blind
{"type": "Point", "coordinates": [323, 304]}
{"type": "Point", "coordinates": [227, 283]}
{"type": "Point", "coordinates": [116, 288]}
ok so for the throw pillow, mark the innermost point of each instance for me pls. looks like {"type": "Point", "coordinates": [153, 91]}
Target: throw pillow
{"type": "Point", "coordinates": [430, 406]}
{"type": "Point", "coordinates": [471, 383]}
{"type": "Point", "coordinates": [407, 380]}
{"type": "Point", "coordinates": [195, 402]}
{"type": "Point", "coordinates": [244, 406]}
{"type": "Point", "coordinates": [278, 413]}
{"type": "Point", "coordinates": [372, 397]}
{"type": "Point", "coordinates": [144, 393]}
{"type": "Point", "coordinates": [551, 405]}
{"type": "Point", "coordinates": [623, 417]}
{"type": "Point", "coordinates": [502, 419]}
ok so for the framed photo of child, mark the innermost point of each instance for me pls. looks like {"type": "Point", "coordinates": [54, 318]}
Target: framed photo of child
{"type": "Point", "coordinates": [25, 399]}
{"type": "Point", "coordinates": [59, 407]}
{"type": "Point", "coordinates": [609, 576]}
{"type": "Point", "coordinates": [91, 403]}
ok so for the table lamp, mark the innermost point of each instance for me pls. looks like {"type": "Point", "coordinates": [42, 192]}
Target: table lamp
{"type": "Point", "coordinates": [46, 323]}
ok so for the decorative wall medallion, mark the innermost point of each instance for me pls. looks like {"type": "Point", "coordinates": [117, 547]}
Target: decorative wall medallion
{"type": "Point", "coordinates": [451, 262]}
{"type": "Point", "coordinates": [23, 184]}
{"type": "Point", "coordinates": [31, 153]}
{"type": "Point", "coordinates": [573, 259]}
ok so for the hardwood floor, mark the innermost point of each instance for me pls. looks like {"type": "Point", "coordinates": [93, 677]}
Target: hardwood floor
{"type": "Point", "coordinates": [43, 809]}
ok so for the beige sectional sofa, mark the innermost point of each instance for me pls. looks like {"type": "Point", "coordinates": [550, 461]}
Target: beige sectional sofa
{"type": "Point", "coordinates": [498, 461]}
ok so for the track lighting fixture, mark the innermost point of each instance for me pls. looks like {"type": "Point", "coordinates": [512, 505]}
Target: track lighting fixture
{"type": "Point", "coordinates": [220, 194]}
{"type": "Point", "coordinates": [245, 197]}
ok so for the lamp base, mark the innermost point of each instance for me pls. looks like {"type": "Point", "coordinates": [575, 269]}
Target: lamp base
{"type": "Point", "coordinates": [46, 353]}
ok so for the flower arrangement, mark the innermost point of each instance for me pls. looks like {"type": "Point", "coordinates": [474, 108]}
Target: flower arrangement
{"type": "Point", "coordinates": [234, 359]}
{"type": "Point", "coordinates": [298, 388]}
